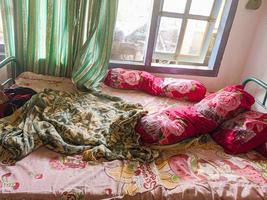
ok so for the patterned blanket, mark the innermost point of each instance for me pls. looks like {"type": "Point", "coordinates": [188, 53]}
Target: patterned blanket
{"type": "Point", "coordinates": [92, 123]}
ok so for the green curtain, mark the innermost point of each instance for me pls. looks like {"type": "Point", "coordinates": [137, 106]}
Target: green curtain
{"type": "Point", "coordinates": [69, 38]}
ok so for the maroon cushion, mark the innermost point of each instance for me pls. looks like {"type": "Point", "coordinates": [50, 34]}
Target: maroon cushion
{"type": "Point", "coordinates": [242, 133]}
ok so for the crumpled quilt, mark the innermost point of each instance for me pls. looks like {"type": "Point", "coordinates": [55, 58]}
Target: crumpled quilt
{"type": "Point", "coordinates": [92, 123]}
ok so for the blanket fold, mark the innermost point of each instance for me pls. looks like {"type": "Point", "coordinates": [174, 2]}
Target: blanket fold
{"type": "Point", "coordinates": [95, 124]}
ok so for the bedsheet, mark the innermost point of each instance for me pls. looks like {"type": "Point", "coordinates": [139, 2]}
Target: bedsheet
{"type": "Point", "coordinates": [192, 169]}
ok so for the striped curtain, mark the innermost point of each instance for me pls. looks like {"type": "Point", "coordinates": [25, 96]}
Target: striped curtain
{"type": "Point", "coordinates": [69, 38]}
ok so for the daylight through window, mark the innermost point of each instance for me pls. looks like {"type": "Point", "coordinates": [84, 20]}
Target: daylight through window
{"type": "Point", "coordinates": [168, 33]}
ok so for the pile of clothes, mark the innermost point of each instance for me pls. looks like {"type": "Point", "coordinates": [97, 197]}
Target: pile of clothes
{"type": "Point", "coordinates": [12, 99]}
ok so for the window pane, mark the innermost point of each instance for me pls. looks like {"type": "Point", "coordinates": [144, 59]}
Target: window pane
{"type": "Point", "coordinates": [168, 34]}
{"type": "Point", "coordinates": [131, 30]}
{"type": "Point", "coordinates": [202, 7]}
{"type": "Point", "coordinates": [194, 36]}
{"type": "Point", "coordinates": [177, 6]}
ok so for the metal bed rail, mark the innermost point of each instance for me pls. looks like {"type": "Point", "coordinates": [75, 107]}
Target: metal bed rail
{"type": "Point", "coordinates": [262, 85]}
{"type": "Point", "coordinates": [13, 61]}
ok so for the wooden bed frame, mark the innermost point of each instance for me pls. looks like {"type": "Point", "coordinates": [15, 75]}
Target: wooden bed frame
{"type": "Point", "coordinates": [13, 61]}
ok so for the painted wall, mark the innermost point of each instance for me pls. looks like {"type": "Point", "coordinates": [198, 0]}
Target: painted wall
{"type": "Point", "coordinates": [237, 49]}
{"type": "Point", "coordinates": [256, 64]}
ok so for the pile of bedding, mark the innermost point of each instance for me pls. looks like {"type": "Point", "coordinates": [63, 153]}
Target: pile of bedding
{"type": "Point", "coordinates": [92, 123]}
{"type": "Point", "coordinates": [101, 126]}
{"type": "Point", "coordinates": [194, 168]}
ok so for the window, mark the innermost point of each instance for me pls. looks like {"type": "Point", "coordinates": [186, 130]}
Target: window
{"type": "Point", "coordinates": [172, 36]}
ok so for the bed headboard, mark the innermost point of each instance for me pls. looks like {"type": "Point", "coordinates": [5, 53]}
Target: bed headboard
{"type": "Point", "coordinates": [258, 83]}
{"type": "Point", "coordinates": [9, 60]}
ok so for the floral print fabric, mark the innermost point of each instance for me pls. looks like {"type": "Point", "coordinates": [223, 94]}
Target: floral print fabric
{"type": "Point", "coordinates": [225, 104]}
{"type": "Point", "coordinates": [175, 124]}
{"type": "Point", "coordinates": [193, 169]}
{"type": "Point", "coordinates": [242, 133]}
{"type": "Point", "coordinates": [92, 123]}
{"type": "Point", "coordinates": [140, 80]}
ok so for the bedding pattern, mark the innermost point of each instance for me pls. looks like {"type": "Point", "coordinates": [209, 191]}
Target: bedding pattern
{"type": "Point", "coordinates": [96, 124]}
{"type": "Point", "coordinates": [197, 169]}
{"type": "Point", "coordinates": [192, 169]}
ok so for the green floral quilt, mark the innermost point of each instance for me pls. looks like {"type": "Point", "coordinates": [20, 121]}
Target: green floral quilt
{"type": "Point", "coordinates": [92, 123]}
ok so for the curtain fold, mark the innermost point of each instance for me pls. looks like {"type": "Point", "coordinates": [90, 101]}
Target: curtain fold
{"type": "Point", "coordinates": [69, 38]}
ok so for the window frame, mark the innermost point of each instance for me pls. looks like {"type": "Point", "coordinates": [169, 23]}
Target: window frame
{"type": "Point", "coordinates": [212, 66]}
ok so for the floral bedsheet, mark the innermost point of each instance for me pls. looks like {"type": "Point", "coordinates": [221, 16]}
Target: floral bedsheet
{"type": "Point", "coordinates": [193, 169]}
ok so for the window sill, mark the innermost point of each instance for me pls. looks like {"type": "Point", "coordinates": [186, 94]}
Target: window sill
{"type": "Point", "coordinates": [175, 69]}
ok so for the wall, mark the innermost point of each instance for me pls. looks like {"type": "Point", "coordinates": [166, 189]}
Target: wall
{"type": "Point", "coordinates": [237, 49]}
{"type": "Point", "coordinates": [256, 64]}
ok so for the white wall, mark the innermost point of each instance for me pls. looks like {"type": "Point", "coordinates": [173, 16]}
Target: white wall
{"type": "Point", "coordinates": [237, 50]}
{"type": "Point", "coordinates": [256, 64]}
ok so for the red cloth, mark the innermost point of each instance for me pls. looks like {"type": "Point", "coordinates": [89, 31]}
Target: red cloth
{"type": "Point", "coordinates": [139, 80]}
{"type": "Point", "coordinates": [17, 97]}
{"type": "Point", "coordinates": [173, 125]}
{"type": "Point", "coordinates": [242, 133]}
{"type": "Point", "coordinates": [262, 149]}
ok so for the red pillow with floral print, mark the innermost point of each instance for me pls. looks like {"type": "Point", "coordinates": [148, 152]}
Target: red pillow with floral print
{"type": "Point", "coordinates": [175, 88]}
{"type": "Point", "coordinates": [190, 90]}
{"type": "Point", "coordinates": [166, 127]}
{"type": "Point", "coordinates": [242, 133]}
{"type": "Point", "coordinates": [262, 149]}
{"type": "Point", "coordinates": [175, 124]}
{"type": "Point", "coordinates": [225, 103]}
{"type": "Point", "coordinates": [134, 79]}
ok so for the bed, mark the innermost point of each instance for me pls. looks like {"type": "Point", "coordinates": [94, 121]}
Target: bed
{"type": "Point", "coordinates": [193, 169]}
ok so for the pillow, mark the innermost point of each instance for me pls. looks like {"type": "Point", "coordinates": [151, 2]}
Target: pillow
{"type": "Point", "coordinates": [133, 79]}
{"type": "Point", "coordinates": [242, 133]}
{"type": "Point", "coordinates": [139, 80]}
{"type": "Point", "coordinates": [183, 89]}
{"type": "Point", "coordinates": [166, 127]}
{"type": "Point", "coordinates": [225, 104]}
{"type": "Point", "coordinates": [175, 124]}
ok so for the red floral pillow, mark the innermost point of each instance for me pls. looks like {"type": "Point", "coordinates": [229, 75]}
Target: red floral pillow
{"type": "Point", "coordinates": [166, 127]}
{"type": "Point", "coordinates": [175, 88]}
{"type": "Point", "coordinates": [173, 125]}
{"type": "Point", "coordinates": [225, 103]}
{"type": "Point", "coordinates": [183, 89]}
{"type": "Point", "coordinates": [242, 133]}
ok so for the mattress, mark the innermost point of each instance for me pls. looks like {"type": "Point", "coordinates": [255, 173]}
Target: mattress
{"type": "Point", "coordinates": [193, 169]}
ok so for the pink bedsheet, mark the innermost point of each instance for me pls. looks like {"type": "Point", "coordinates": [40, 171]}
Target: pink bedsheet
{"type": "Point", "coordinates": [194, 169]}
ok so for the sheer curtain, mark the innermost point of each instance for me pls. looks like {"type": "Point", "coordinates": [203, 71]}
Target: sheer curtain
{"type": "Point", "coordinates": [69, 38]}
